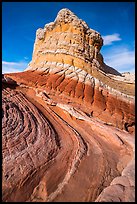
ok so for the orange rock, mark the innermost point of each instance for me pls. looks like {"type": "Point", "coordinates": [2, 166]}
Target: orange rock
{"type": "Point", "coordinates": [67, 124]}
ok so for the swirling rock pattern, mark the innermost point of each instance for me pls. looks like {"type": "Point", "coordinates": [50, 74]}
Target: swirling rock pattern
{"type": "Point", "coordinates": [100, 99]}
{"type": "Point", "coordinates": [29, 141]}
{"type": "Point", "coordinates": [67, 122]}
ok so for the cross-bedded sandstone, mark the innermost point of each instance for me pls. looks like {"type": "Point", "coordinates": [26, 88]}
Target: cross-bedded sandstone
{"type": "Point", "coordinates": [70, 41]}
{"type": "Point", "coordinates": [68, 121]}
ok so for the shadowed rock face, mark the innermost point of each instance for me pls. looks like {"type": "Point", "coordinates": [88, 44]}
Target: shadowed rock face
{"type": "Point", "coordinates": [67, 121]}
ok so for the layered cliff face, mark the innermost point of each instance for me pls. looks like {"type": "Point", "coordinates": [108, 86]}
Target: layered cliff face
{"type": "Point", "coordinates": [68, 121]}
{"type": "Point", "coordinates": [68, 41]}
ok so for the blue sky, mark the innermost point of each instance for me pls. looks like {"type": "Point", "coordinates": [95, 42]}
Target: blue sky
{"type": "Point", "coordinates": [114, 20]}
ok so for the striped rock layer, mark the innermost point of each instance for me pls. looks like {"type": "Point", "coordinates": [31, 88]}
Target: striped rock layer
{"type": "Point", "coordinates": [67, 122]}
{"type": "Point", "coordinates": [70, 41]}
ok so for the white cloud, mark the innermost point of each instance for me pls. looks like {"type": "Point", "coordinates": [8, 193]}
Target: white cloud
{"type": "Point", "coordinates": [10, 67]}
{"type": "Point", "coordinates": [120, 58]}
{"type": "Point", "coordinates": [108, 39]}
{"type": "Point", "coordinates": [26, 58]}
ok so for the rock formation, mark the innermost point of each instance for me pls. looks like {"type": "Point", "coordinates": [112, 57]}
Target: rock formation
{"type": "Point", "coordinates": [68, 121]}
{"type": "Point", "coordinates": [68, 41]}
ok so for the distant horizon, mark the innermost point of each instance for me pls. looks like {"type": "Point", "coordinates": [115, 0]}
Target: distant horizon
{"type": "Point", "coordinates": [115, 21]}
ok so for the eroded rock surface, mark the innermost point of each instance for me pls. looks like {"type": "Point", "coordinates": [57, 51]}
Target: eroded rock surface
{"type": "Point", "coordinates": [68, 40]}
{"type": "Point", "coordinates": [68, 121]}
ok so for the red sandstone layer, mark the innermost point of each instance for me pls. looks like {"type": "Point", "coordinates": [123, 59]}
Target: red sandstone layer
{"type": "Point", "coordinates": [94, 97]}
{"type": "Point", "coordinates": [62, 141]}
{"type": "Point", "coordinates": [68, 122]}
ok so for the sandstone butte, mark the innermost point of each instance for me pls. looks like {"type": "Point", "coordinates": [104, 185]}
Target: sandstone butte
{"type": "Point", "coordinates": [68, 121]}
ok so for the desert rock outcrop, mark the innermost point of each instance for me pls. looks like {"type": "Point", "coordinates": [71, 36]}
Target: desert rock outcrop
{"type": "Point", "coordinates": [68, 121]}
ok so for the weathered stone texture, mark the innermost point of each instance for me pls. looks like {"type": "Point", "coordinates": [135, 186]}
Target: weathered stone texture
{"type": "Point", "coordinates": [68, 121]}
